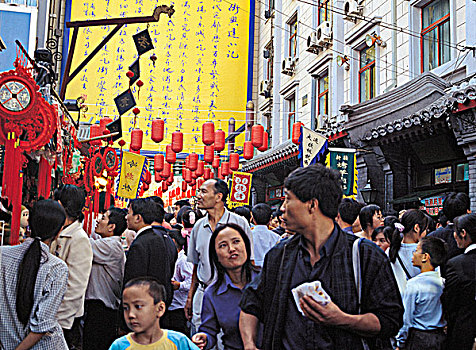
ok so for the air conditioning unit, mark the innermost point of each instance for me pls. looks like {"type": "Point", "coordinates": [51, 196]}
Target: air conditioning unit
{"type": "Point", "coordinates": [324, 33]}
{"type": "Point", "coordinates": [287, 66]}
{"type": "Point", "coordinates": [312, 42]}
{"type": "Point", "coordinates": [263, 87]}
{"type": "Point", "coordinates": [352, 8]}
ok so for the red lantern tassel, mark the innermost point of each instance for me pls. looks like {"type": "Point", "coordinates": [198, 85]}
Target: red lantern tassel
{"type": "Point", "coordinates": [86, 214]}
{"type": "Point", "coordinates": [96, 202]}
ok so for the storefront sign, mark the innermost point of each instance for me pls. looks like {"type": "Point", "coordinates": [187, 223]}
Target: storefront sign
{"type": "Point", "coordinates": [312, 146]}
{"type": "Point", "coordinates": [443, 175]}
{"type": "Point", "coordinates": [432, 205]}
{"type": "Point", "coordinates": [240, 189]}
{"type": "Point", "coordinates": [343, 160]}
{"type": "Point", "coordinates": [275, 193]}
{"type": "Point", "coordinates": [131, 169]}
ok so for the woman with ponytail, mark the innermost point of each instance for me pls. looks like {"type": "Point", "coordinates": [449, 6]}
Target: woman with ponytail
{"type": "Point", "coordinates": [32, 284]}
{"type": "Point", "coordinates": [403, 242]}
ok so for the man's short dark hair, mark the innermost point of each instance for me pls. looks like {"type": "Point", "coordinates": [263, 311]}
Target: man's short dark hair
{"type": "Point", "coordinates": [366, 215]}
{"type": "Point", "coordinates": [72, 199]}
{"type": "Point", "coordinates": [436, 248]}
{"type": "Point", "coordinates": [349, 210]}
{"type": "Point", "coordinates": [277, 214]}
{"type": "Point", "coordinates": [156, 290]}
{"type": "Point", "coordinates": [262, 213]}
{"type": "Point", "coordinates": [456, 204]}
{"type": "Point", "coordinates": [160, 208]}
{"type": "Point", "coordinates": [221, 187]}
{"type": "Point", "coordinates": [147, 208]}
{"type": "Point", "coordinates": [317, 181]}
{"type": "Point", "coordinates": [117, 216]}
{"type": "Point", "coordinates": [244, 212]}
{"type": "Point", "coordinates": [182, 203]}
{"type": "Point", "coordinates": [466, 222]}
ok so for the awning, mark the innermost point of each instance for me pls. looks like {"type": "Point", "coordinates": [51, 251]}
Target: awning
{"type": "Point", "coordinates": [417, 196]}
{"type": "Point", "coordinates": [275, 155]}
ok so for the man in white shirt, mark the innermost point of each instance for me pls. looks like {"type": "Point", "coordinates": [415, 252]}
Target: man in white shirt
{"type": "Point", "coordinates": [263, 238]}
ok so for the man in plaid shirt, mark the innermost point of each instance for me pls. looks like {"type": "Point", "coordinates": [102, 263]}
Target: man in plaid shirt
{"type": "Point", "coordinates": [320, 251]}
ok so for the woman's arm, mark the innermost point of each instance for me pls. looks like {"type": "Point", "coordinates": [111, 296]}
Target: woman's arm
{"type": "Point", "coordinates": [31, 339]}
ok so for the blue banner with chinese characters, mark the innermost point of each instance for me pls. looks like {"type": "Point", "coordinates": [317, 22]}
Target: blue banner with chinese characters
{"type": "Point", "coordinates": [343, 160]}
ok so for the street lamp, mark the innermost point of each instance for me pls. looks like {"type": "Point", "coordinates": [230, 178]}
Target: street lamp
{"type": "Point", "coordinates": [368, 193]}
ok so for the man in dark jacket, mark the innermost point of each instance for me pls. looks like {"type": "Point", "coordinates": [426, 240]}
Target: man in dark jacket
{"type": "Point", "coordinates": [320, 251]}
{"type": "Point", "coordinates": [151, 252]}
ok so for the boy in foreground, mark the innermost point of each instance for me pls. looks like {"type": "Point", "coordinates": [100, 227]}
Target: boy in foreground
{"type": "Point", "coordinates": [143, 301]}
{"type": "Point", "coordinates": [423, 322]}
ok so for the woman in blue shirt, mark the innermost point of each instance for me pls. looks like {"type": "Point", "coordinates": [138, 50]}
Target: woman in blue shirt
{"type": "Point", "coordinates": [229, 252]}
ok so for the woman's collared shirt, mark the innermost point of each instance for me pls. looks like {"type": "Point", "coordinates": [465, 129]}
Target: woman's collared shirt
{"type": "Point", "coordinates": [49, 290]}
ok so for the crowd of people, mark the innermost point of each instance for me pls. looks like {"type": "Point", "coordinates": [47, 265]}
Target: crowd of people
{"type": "Point", "coordinates": [319, 272]}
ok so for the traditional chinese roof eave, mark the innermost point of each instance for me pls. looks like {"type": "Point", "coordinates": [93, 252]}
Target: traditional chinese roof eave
{"type": "Point", "coordinates": [280, 153]}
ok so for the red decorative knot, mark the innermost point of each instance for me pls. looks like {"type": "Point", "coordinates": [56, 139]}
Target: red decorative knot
{"type": "Point", "coordinates": [248, 150]}
{"type": "Point", "coordinates": [130, 74]}
{"type": "Point", "coordinates": [219, 140]}
{"type": "Point", "coordinates": [234, 161]}
{"type": "Point", "coordinates": [140, 83]}
{"type": "Point", "coordinates": [157, 130]}
{"type": "Point", "coordinates": [257, 135]}
{"type": "Point", "coordinates": [121, 142]}
{"type": "Point", "coordinates": [208, 133]}
{"type": "Point", "coordinates": [264, 146]}
{"type": "Point", "coordinates": [153, 57]}
{"type": "Point", "coordinates": [297, 132]}
{"type": "Point", "coordinates": [136, 111]}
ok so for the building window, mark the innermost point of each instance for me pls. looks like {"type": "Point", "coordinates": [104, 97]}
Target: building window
{"type": "Point", "coordinates": [367, 74]}
{"type": "Point", "coordinates": [293, 29]}
{"type": "Point", "coordinates": [323, 95]}
{"type": "Point", "coordinates": [323, 14]}
{"type": "Point", "coordinates": [291, 110]}
{"type": "Point", "coordinates": [435, 34]}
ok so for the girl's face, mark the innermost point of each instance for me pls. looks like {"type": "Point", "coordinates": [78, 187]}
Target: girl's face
{"type": "Point", "coordinates": [382, 242]}
{"type": "Point", "coordinates": [377, 220]}
{"type": "Point", "coordinates": [231, 249]}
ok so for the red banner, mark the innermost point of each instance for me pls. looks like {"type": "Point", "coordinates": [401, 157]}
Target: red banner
{"type": "Point", "coordinates": [240, 189]}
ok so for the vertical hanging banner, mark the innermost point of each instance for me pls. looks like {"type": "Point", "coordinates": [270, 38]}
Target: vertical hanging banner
{"type": "Point", "coordinates": [344, 161]}
{"type": "Point", "coordinates": [199, 65]}
{"type": "Point", "coordinates": [240, 189]}
{"type": "Point", "coordinates": [131, 170]}
{"type": "Point", "coordinates": [312, 146]}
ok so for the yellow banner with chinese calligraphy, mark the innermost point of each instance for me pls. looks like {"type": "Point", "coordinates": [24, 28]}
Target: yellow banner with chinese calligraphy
{"type": "Point", "coordinates": [240, 189]}
{"type": "Point", "coordinates": [344, 161]}
{"type": "Point", "coordinates": [131, 169]}
{"type": "Point", "coordinates": [203, 68]}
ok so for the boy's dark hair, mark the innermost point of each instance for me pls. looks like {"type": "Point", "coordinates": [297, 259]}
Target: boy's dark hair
{"type": "Point", "coordinates": [182, 203]}
{"type": "Point", "coordinates": [262, 213]}
{"type": "Point", "coordinates": [168, 217]}
{"type": "Point", "coordinates": [366, 215]}
{"type": "Point", "coordinates": [456, 204]}
{"type": "Point", "coordinates": [179, 240]}
{"type": "Point", "coordinates": [466, 222]}
{"type": "Point", "coordinates": [349, 210]}
{"type": "Point", "coordinates": [317, 181]}
{"type": "Point", "coordinates": [436, 248]}
{"type": "Point", "coordinates": [147, 208]}
{"type": "Point", "coordinates": [244, 212]}
{"type": "Point", "coordinates": [117, 216]}
{"type": "Point", "coordinates": [277, 214]}
{"type": "Point", "coordinates": [72, 199]}
{"type": "Point", "coordinates": [160, 208]}
{"type": "Point", "coordinates": [181, 212]}
{"type": "Point", "coordinates": [156, 290]}
{"type": "Point", "coordinates": [442, 219]}
{"type": "Point", "coordinates": [221, 187]}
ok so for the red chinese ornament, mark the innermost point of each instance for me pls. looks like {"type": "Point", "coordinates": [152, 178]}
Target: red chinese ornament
{"type": "Point", "coordinates": [158, 162]}
{"type": "Point", "coordinates": [296, 132]}
{"type": "Point", "coordinates": [257, 135]}
{"type": "Point", "coordinates": [208, 153]}
{"type": "Point", "coordinates": [187, 175]}
{"type": "Point", "coordinates": [165, 187]}
{"type": "Point", "coordinates": [200, 183]}
{"type": "Point", "coordinates": [200, 168]}
{"type": "Point", "coordinates": [216, 162]}
{"type": "Point", "coordinates": [219, 140]}
{"type": "Point", "coordinates": [208, 133]}
{"type": "Point", "coordinates": [136, 111]}
{"type": "Point", "coordinates": [264, 146]}
{"type": "Point", "coordinates": [207, 174]}
{"type": "Point", "coordinates": [194, 175]}
{"type": "Point", "coordinates": [177, 141]}
{"type": "Point", "coordinates": [193, 161]}
{"type": "Point", "coordinates": [170, 155]}
{"type": "Point", "coordinates": [166, 170]}
{"type": "Point", "coordinates": [234, 161]}
{"type": "Point", "coordinates": [136, 139]}
{"type": "Point", "coordinates": [104, 121]}
{"type": "Point", "coordinates": [157, 177]}
{"type": "Point", "coordinates": [184, 186]}
{"type": "Point", "coordinates": [95, 131]}
{"type": "Point", "coordinates": [225, 168]}
{"type": "Point", "coordinates": [248, 150]}
{"type": "Point", "coordinates": [157, 130]}
{"type": "Point", "coordinates": [130, 74]}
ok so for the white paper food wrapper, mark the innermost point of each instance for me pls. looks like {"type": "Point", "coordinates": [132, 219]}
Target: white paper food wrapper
{"type": "Point", "coordinates": [312, 289]}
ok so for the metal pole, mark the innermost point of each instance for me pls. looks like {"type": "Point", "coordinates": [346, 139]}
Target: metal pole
{"type": "Point", "coordinates": [250, 119]}
{"type": "Point", "coordinates": [231, 130]}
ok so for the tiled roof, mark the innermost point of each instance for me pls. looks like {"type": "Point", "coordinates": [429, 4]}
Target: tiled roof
{"type": "Point", "coordinates": [463, 93]}
{"type": "Point", "coordinates": [281, 152]}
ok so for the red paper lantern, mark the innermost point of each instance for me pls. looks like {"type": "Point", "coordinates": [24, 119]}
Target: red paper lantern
{"type": "Point", "coordinates": [234, 161]}
{"type": "Point", "coordinates": [225, 168]}
{"type": "Point", "coordinates": [193, 161]}
{"type": "Point", "coordinates": [187, 162]}
{"type": "Point", "coordinates": [157, 177]}
{"type": "Point", "coordinates": [130, 74]}
{"type": "Point", "coordinates": [264, 146]}
{"type": "Point", "coordinates": [200, 183]}
{"type": "Point", "coordinates": [104, 121]}
{"type": "Point", "coordinates": [200, 168]}
{"type": "Point", "coordinates": [184, 186]}
{"type": "Point", "coordinates": [165, 187]}
{"type": "Point", "coordinates": [145, 186]}
{"type": "Point", "coordinates": [216, 162]}
{"type": "Point", "coordinates": [136, 139]}
{"type": "Point", "coordinates": [219, 140]}
{"type": "Point", "coordinates": [193, 183]}
{"type": "Point", "coordinates": [207, 174]}
{"type": "Point", "coordinates": [158, 162]}
{"type": "Point", "coordinates": [208, 154]}
{"type": "Point", "coordinates": [297, 132]}
{"type": "Point", "coordinates": [171, 179]}
{"type": "Point", "coordinates": [157, 132]}
{"type": "Point", "coordinates": [208, 133]}
{"type": "Point", "coordinates": [220, 175]}
{"type": "Point", "coordinates": [248, 150]}
{"type": "Point", "coordinates": [177, 141]}
{"type": "Point", "coordinates": [187, 175]}
{"type": "Point", "coordinates": [95, 130]}
{"type": "Point", "coordinates": [194, 175]}
{"type": "Point", "coordinates": [257, 135]}
{"type": "Point", "coordinates": [147, 177]}
{"type": "Point", "coordinates": [166, 171]}
{"type": "Point", "coordinates": [170, 155]}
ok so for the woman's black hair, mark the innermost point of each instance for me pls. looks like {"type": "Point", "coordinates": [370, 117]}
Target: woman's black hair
{"type": "Point", "coordinates": [247, 267]}
{"type": "Point", "coordinates": [180, 241]}
{"type": "Point", "coordinates": [72, 199]}
{"type": "Point", "coordinates": [366, 215]}
{"type": "Point", "coordinates": [411, 218]}
{"type": "Point", "coordinates": [466, 222]}
{"type": "Point", "coordinates": [189, 216]}
{"type": "Point", "coordinates": [46, 220]}
{"type": "Point", "coordinates": [378, 230]}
